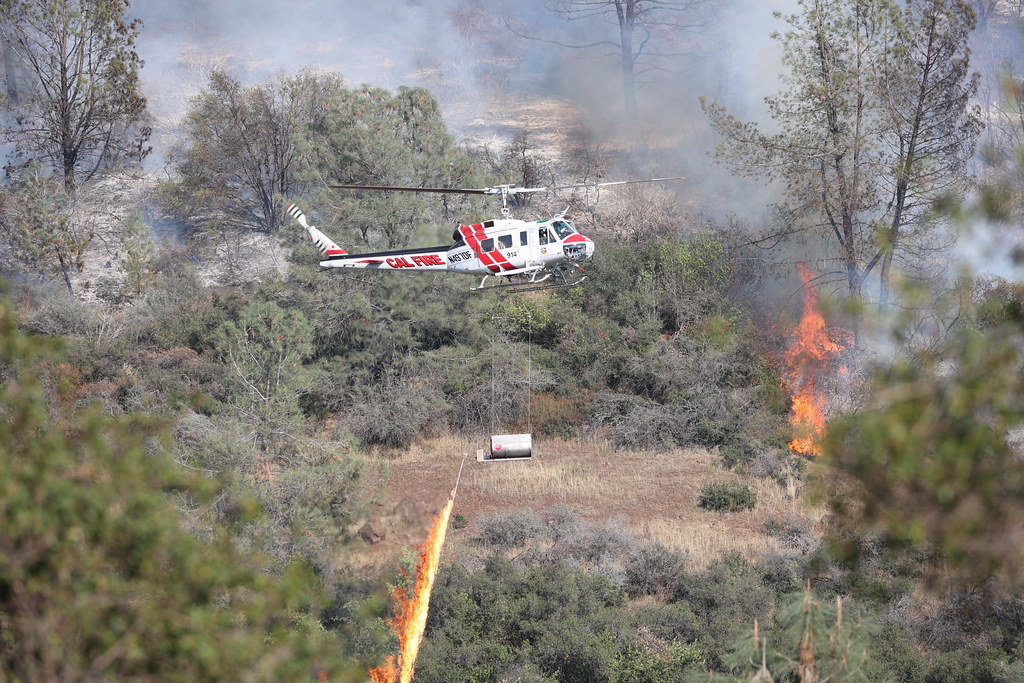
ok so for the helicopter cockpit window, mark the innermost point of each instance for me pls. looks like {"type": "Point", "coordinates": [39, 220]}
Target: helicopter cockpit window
{"type": "Point", "coordinates": [563, 229]}
{"type": "Point", "coordinates": [487, 245]}
{"type": "Point", "coordinates": [504, 241]}
{"type": "Point", "coordinates": [545, 236]}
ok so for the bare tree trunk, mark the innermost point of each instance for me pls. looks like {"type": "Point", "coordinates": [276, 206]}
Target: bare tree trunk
{"type": "Point", "coordinates": [11, 73]}
{"type": "Point", "coordinates": [65, 269]}
{"type": "Point", "coordinates": [626, 12]}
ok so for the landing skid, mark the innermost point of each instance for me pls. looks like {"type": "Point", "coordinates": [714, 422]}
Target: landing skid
{"type": "Point", "coordinates": [533, 282]}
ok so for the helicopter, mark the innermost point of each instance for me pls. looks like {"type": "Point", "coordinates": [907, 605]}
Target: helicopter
{"type": "Point", "coordinates": [507, 252]}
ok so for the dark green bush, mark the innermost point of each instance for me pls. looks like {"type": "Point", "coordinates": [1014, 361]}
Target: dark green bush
{"type": "Point", "coordinates": [727, 497]}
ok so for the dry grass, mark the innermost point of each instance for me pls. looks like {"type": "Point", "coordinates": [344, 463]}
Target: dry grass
{"type": "Point", "coordinates": [526, 481]}
{"type": "Point", "coordinates": [652, 495]}
{"type": "Point", "coordinates": [703, 543]}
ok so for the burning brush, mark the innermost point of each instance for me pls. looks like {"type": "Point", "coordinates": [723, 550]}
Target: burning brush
{"type": "Point", "coordinates": [411, 608]}
{"type": "Point", "coordinates": [810, 352]}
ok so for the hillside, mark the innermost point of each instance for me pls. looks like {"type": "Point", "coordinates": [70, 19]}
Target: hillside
{"type": "Point", "coordinates": [776, 426]}
{"type": "Point", "coordinates": [650, 495]}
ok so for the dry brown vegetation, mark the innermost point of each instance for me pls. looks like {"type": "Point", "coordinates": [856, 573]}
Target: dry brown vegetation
{"type": "Point", "coordinates": [653, 496]}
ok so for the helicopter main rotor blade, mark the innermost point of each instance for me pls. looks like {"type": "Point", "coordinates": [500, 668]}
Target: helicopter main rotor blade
{"type": "Point", "coordinates": [486, 190]}
{"type": "Point", "coordinates": [615, 182]}
{"type": "Point", "coordinates": [503, 190]}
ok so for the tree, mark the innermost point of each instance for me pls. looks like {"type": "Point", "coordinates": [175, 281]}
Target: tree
{"type": "Point", "coordinates": [139, 256]}
{"type": "Point", "coordinates": [238, 159]}
{"type": "Point", "coordinates": [874, 126]}
{"type": "Point", "coordinates": [813, 643]}
{"type": "Point", "coordinates": [644, 29]}
{"type": "Point", "coordinates": [370, 136]}
{"type": "Point", "coordinates": [98, 579]}
{"type": "Point", "coordinates": [40, 227]}
{"type": "Point", "coordinates": [931, 126]}
{"type": "Point", "coordinates": [265, 349]}
{"type": "Point", "coordinates": [929, 460]}
{"type": "Point", "coordinates": [519, 163]}
{"type": "Point", "coordinates": [78, 104]}
{"type": "Point", "coordinates": [933, 460]}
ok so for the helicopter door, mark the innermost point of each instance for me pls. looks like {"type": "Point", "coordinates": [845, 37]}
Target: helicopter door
{"type": "Point", "coordinates": [549, 249]}
{"type": "Point", "coordinates": [513, 255]}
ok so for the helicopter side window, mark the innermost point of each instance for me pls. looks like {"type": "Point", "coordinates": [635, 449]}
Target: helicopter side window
{"type": "Point", "coordinates": [522, 239]}
{"type": "Point", "coordinates": [504, 241]}
{"type": "Point", "coordinates": [487, 245]}
{"type": "Point", "coordinates": [563, 229]}
{"type": "Point", "coordinates": [545, 236]}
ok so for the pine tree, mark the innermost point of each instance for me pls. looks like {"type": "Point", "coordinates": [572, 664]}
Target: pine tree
{"type": "Point", "coordinates": [139, 253]}
{"type": "Point", "coordinates": [98, 579]}
{"type": "Point", "coordinates": [874, 126]}
{"type": "Point", "coordinates": [78, 104]}
{"type": "Point", "coordinates": [44, 236]}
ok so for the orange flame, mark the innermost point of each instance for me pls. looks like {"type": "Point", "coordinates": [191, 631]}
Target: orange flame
{"type": "Point", "coordinates": [809, 351]}
{"type": "Point", "coordinates": [411, 610]}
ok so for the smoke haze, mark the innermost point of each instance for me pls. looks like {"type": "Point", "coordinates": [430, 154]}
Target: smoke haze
{"type": "Point", "coordinates": [489, 78]}
{"type": "Point", "coordinates": [497, 66]}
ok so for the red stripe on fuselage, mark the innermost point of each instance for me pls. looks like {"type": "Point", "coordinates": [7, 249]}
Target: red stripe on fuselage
{"type": "Point", "coordinates": [496, 256]}
{"type": "Point", "coordinates": [473, 234]}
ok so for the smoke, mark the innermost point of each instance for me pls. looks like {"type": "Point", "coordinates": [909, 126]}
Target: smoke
{"type": "Point", "coordinates": [495, 65]}
{"type": "Point", "coordinates": [441, 45]}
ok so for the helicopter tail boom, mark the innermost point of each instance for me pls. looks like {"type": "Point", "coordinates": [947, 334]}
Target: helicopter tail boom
{"type": "Point", "coordinates": [324, 243]}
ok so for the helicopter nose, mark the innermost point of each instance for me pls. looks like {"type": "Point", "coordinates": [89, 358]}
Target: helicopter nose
{"type": "Point", "coordinates": [590, 246]}
{"type": "Point", "coordinates": [578, 248]}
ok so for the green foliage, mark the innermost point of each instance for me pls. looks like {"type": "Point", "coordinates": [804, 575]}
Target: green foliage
{"type": "Point", "coordinates": [524, 319]}
{"type": "Point", "coordinates": [722, 598]}
{"type": "Point", "coordinates": [395, 411]}
{"type": "Point", "coordinates": [485, 624]}
{"type": "Point", "coordinates": [308, 509]}
{"type": "Point", "coordinates": [370, 136]}
{"type": "Point", "coordinates": [77, 103]}
{"type": "Point", "coordinates": [44, 236]}
{"type": "Point", "coordinates": [508, 530]}
{"type": "Point", "coordinates": [653, 569]}
{"type": "Point", "coordinates": [928, 457]}
{"type": "Point", "coordinates": [236, 166]}
{"type": "Point", "coordinates": [266, 348]}
{"type": "Point", "coordinates": [97, 577]}
{"type": "Point", "coordinates": [813, 641]}
{"type": "Point", "coordinates": [657, 663]}
{"type": "Point", "coordinates": [139, 255]}
{"type": "Point", "coordinates": [727, 497]}
{"type": "Point", "coordinates": [658, 329]}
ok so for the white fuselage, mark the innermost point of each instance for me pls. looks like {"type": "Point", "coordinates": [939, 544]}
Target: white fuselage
{"type": "Point", "coordinates": [500, 247]}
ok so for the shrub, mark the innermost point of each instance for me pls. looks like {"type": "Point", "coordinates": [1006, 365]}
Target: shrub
{"type": "Point", "coordinates": [508, 530]}
{"type": "Point", "coordinates": [653, 569]}
{"type": "Point", "coordinates": [792, 531]}
{"type": "Point", "coordinates": [737, 455]}
{"type": "Point", "coordinates": [727, 497]}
